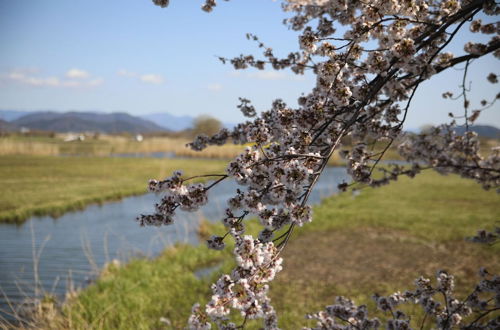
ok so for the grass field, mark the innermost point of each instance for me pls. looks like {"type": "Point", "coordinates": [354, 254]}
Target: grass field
{"type": "Point", "coordinates": [378, 241]}
{"type": "Point", "coordinates": [40, 185]}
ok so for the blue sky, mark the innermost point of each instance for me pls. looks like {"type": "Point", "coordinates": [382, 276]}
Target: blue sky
{"type": "Point", "coordinates": [129, 55]}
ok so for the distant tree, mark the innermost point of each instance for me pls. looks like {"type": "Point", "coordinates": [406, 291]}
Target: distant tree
{"type": "Point", "coordinates": [366, 78]}
{"type": "Point", "coordinates": [205, 124]}
{"type": "Point", "coordinates": [426, 128]}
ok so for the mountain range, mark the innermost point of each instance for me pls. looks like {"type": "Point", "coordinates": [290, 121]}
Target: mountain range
{"type": "Point", "coordinates": [85, 122]}
{"type": "Point", "coordinates": [5, 126]}
{"type": "Point", "coordinates": [481, 130]}
{"type": "Point", "coordinates": [74, 121]}
{"type": "Point", "coordinates": [118, 122]}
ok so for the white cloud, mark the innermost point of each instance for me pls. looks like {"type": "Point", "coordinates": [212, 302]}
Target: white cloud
{"type": "Point", "coordinates": [73, 78]}
{"type": "Point", "coordinates": [88, 83]}
{"type": "Point", "coordinates": [77, 74]}
{"type": "Point", "coordinates": [16, 76]}
{"type": "Point", "coordinates": [267, 75]}
{"type": "Point", "coordinates": [215, 87]}
{"type": "Point", "coordinates": [152, 78]}
{"type": "Point", "coordinates": [24, 79]}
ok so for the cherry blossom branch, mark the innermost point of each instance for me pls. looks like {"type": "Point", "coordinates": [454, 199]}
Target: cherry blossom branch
{"type": "Point", "coordinates": [359, 95]}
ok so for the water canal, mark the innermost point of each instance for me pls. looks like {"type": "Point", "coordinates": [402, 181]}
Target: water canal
{"type": "Point", "coordinates": [71, 249]}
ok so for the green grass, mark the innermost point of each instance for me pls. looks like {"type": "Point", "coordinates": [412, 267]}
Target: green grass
{"type": "Point", "coordinates": [378, 241]}
{"type": "Point", "coordinates": [149, 290]}
{"type": "Point", "coordinates": [431, 207]}
{"type": "Point", "coordinates": [46, 185]}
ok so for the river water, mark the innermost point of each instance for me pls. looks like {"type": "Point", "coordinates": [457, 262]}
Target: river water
{"type": "Point", "coordinates": [70, 250]}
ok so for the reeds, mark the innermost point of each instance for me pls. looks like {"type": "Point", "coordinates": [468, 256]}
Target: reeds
{"type": "Point", "coordinates": [28, 147]}
{"type": "Point", "coordinates": [44, 309]}
{"type": "Point", "coordinates": [39, 308]}
{"type": "Point", "coordinates": [109, 145]}
{"type": "Point", "coordinates": [176, 146]}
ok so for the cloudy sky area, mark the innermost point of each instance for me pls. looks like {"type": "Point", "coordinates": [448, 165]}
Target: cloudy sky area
{"type": "Point", "coordinates": [129, 55]}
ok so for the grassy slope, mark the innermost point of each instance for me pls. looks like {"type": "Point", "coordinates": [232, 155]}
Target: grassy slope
{"type": "Point", "coordinates": [376, 242]}
{"type": "Point", "coordinates": [383, 239]}
{"type": "Point", "coordinates": [37, 185]}
{"type": "Point", "coordinates": [136, 296]}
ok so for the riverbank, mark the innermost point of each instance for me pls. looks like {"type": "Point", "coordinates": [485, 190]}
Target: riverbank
{"type": "Point", "coordinates": [50, 185]}
{"type": "Point", "coordinates": [377, 241]}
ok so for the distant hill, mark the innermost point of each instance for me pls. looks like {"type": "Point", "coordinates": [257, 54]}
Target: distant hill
{"type": "Point", "coordinates": [5, 126]}
{"type": "Point", "coordinates": [169, 121]}
{"type": "Point", "coordinates": [100, 122]}
{"type": "Point", "coordinates": [481, 130]}
{"type": "Point", "coordinates": [86, 121]}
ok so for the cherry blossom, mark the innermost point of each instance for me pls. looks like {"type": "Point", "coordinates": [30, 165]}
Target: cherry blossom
{"type": "Point", "coordinates": [366, 79]}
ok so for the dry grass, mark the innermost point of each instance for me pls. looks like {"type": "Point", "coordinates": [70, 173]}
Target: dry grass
{"type": "Point", "coordinates": [106, 145]}
{"type": "Point", "coordinates": [376, 256]}
{"type": "Point", "coordinates": [357, 264]}
{"type": "Point", "coordinates": [122, 144]}
{"type": "Point", "coordinates": [28, 147]}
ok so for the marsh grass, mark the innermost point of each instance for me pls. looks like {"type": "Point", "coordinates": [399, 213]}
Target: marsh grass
{"type": "Point", "coordinates": [103, 145]}
{"type": "Point", "coordinates": [40, 307]}
{"type": "Point", "coordinates": [174, 145]}
{"type": "Point", "coordinates": [378, 241]}
{"type": "Point", "coordinates": [37, 300]}
{"type": "Point", "coordinates": [108, 145]}
{"type": "Point", "coordinates": [159, 288]}
{"type": "Point", "coordinates": [44, 185]}
{"type": "Point", "coordinates": [27, 147]}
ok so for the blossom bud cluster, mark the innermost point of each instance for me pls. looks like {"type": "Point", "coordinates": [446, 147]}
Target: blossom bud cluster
{"type": "Point", "coordinates": [447, 152]}
{"type": "Point", "coordinates": [344, 311]}
{"type": "Point", "coordinates": [486, 237]}
{"type": "Point", "coordinates": [358, 166]}
{"type": "Point", "coordinates": [176, 195]}
{"type": "Point", "coordinates": [202, 140]}
{"type": "Point", "coordinates": [161, 3]}
{"type": "Point", "coordinates": [391, 173]}
{"type": "Point", "coordinates": [245, 289]}
{"type": "Point", "coordinates": [438, 303]}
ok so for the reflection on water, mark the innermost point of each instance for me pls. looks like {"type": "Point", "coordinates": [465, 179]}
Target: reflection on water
{"type": "Point", "coordinates": [74, 246]}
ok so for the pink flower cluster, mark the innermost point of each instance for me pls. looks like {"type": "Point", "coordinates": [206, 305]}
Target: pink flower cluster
{"type": "Point", "coordinates": [366, 79]}
{"type": "Point", "coordinates": [441, 308]}
{"type": "Point", "coordinates": [177, 195]}
{"type": "Point", "coordinates": [245, 289]}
